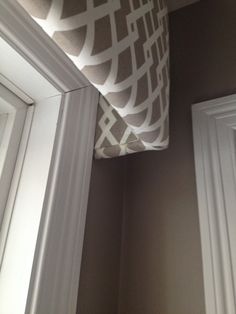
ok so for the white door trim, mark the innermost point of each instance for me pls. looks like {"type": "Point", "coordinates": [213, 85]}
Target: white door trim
{"type": "Point", "coordinates": [55, 277]}
{"type": "Point", "coordinates": [56, 268]}
{"type": "Point", "coordinates": [29, 39]}
{"type": "Point", "coordinates": [214, 124]}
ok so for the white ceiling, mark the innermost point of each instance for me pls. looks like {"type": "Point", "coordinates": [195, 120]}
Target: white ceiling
{"type": "Point", "coordinates": [177, 4]}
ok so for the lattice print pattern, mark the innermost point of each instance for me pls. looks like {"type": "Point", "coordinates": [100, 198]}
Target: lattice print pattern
{"type": "Point", "coordinates": [122, 47]}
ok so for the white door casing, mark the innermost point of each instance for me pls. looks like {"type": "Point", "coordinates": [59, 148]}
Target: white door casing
{"type": "Point", "coordinates": [214, 129]}
{"type": "Point", "coordinates": [56, 267]}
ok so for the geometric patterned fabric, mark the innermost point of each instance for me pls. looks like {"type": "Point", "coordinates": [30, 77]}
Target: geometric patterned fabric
{"type": "Point", "coordinates": [122, 48]}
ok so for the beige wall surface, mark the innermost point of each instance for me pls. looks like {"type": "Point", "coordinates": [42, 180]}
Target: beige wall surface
{"type": "Point", "coordinates": [161, 262]}
{"type": "Point", "coordinates": [99, 281]}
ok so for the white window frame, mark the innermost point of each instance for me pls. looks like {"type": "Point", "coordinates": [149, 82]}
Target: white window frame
{"type": "Point", "coordinates": [15, 111]}
{"type": "Point", "coordinates": [214, 130]}
{"type": "Point", "coordinates": [24, 206]}
{"type": "Point", "coordinates": [57, 259]}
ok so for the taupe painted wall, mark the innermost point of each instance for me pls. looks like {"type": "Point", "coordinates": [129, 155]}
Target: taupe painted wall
{"type": "Point", "coordinates": [98, 291]}
{"type": "Point", "coordinates": [161, 269]}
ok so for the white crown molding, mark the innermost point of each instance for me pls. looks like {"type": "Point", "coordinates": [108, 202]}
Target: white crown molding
{"type": "Point", "coordinates": [214, 124]}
